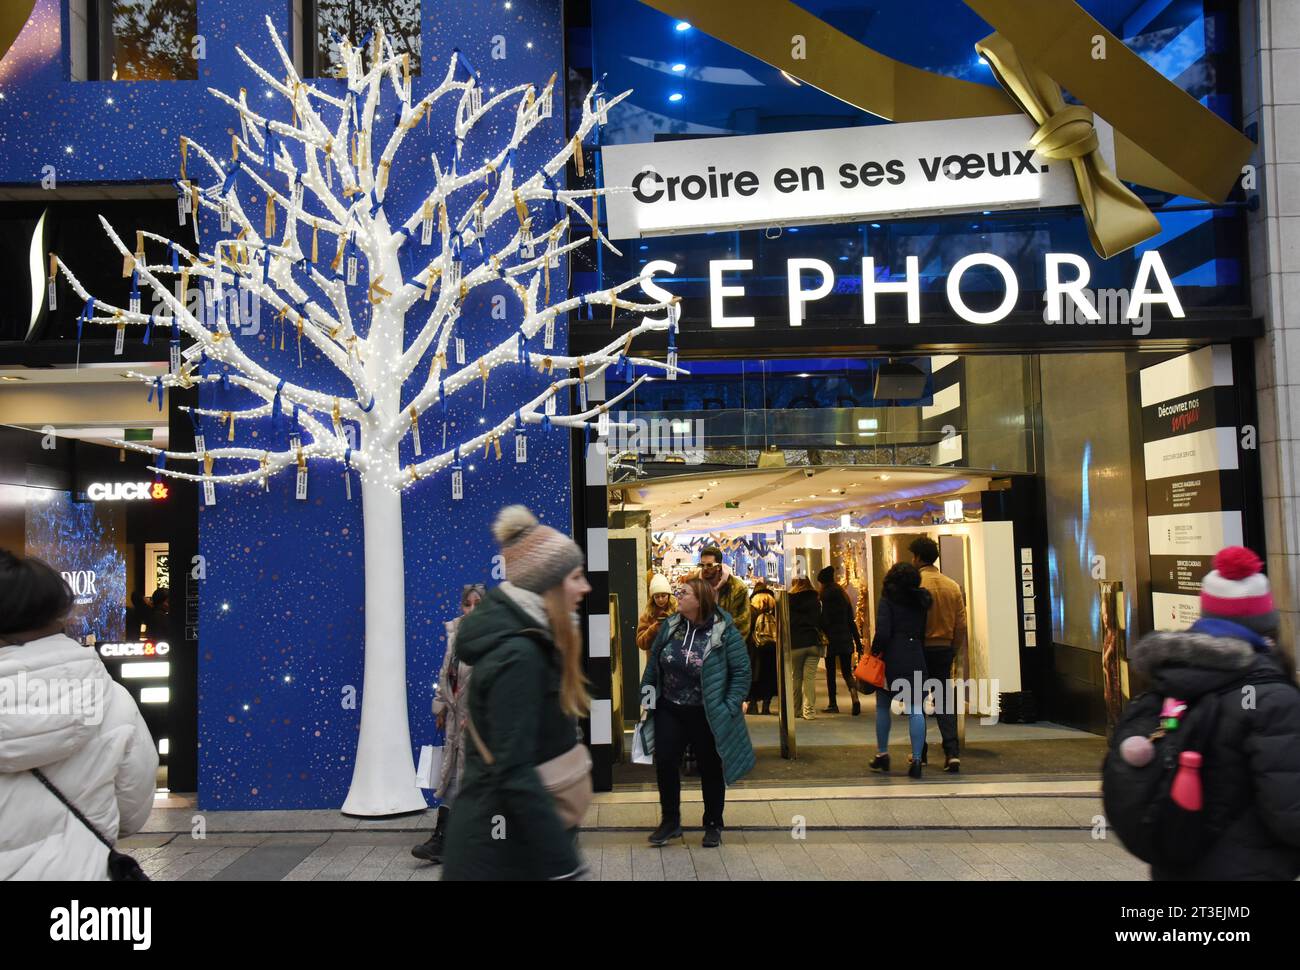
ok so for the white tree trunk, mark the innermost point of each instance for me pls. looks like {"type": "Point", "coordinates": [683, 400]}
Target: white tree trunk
{"type": "Point", "coordinates": [383, 776]}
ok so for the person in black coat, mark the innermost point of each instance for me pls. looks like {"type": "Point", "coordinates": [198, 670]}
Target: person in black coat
{"type": "Point", "coordinates": [842, 638]}
{"type": "Point", "coordinates": [1251, 768]}
{"type": "Point", "coordinates": [805, 646]}
{"type": "Point", "coordinates": [900, 640]}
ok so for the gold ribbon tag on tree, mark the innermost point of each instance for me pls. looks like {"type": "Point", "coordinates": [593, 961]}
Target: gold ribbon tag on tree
{"type": "Point", "coordinates": [415, 432]}
{"type": "Point", "coordinates": [315, 240]}
{"type": "Point", "coordinates": [384, 166]}
{"type": "Point", "coordinates": [521, 209]}
{"type": "Point", "coordinates": [207, 464]}
{"type": "Point", "coordinates": [433, 273]}
{"type": "Point", "coordinates": [230, 425]}
{"type": "Point", "coordinates": [595, 213]}
{"type": "Point", "coordinates": [270, 214]}
{"type": "Point", "coordinates": [483, 372]}
{"type": "Point", "coordinates": [185, 150]}
{"type": "Point", "coordinates": [337, 418]}
{"type": "Point", "coordinates": [578, 162]}
{"type": "Point", "coordinates": [234, 147]}
{"type": "Point", "coordinates": [299, 340]}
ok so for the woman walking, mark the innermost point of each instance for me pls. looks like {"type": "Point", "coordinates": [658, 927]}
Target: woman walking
{"type": "Point", "coordinates": [95, 751]}
{"type": "Point", "coordinates": [900, 640]}
{"type": "Point", "coordinates": [525, 697]}
{"type": "Point", "coordinates": [805, 646]}
{"type": "Point", "coordinates": [762, 636]}
{"type": "Point", "coordinates": [698, 675]}
{"type": "Point", "coordinates": [843, 639]}
{"type": "Point", "coordinates": [662, 605]}
{"type": "Point", "coordinates": [449, 709]}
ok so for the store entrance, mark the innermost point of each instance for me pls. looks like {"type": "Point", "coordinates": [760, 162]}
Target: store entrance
{"type": "Point", "coordinates": [779, 527]}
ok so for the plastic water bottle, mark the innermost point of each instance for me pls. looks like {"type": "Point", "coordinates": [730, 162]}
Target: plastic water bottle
{"type": "Point", "coordinates": [1186, 789]}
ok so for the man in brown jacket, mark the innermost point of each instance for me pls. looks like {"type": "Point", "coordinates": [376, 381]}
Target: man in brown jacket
{"type": "Point", "coordinates": [945, 640]}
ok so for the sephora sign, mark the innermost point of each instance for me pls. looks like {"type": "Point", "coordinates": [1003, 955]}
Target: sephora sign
{"type": "Point", "coordinates": [840, 175]}
{"type": "Point", "coordinates": [1066, 295]}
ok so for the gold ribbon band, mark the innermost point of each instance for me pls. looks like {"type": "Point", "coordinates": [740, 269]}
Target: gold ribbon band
{"type": "Point", "coordinates": [1164, 138]}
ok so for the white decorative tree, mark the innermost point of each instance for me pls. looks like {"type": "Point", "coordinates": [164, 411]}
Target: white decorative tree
{"type": "Point", "coordinates": [307, 153]}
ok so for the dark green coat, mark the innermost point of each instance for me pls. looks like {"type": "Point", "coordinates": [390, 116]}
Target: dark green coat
{"type": "Point", "coordinates": [725, 678]}
{"type": "Point", "coordinates": [514, 701]}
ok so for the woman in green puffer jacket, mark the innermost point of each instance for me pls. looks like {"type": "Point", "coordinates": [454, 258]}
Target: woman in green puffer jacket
{"type": "Point", "coordinates": [697, 675]}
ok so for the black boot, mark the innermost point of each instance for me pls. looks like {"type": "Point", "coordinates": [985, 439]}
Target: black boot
{"type": "Point", "coordinates": [669, 829]}
{"type": "Point", "coordinates": [914, 770]}
{"type": "Point", "coordinates": [880, 763]}
{"type": "Point", "coordinates": [431, 850]}
{"type": "Point", "coordinates": [767, 706]}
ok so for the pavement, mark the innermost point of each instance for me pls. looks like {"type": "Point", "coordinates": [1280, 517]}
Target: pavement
{"type": "Point", "coordinates": [941, 829]}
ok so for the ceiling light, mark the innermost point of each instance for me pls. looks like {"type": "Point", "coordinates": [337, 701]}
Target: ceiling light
{"type": "Point", "coordinates": [866, 424]}
{"type": "Point", "coordinates": [678, 68]}
{"type": "Point", "coordinates": [675, 97]}
{"type": "Point", "coordinates": [682, 26]}
{"type": "Point", "coordinates": [883, 478]}
{"type": "Point", "coordinates": [529, 45]}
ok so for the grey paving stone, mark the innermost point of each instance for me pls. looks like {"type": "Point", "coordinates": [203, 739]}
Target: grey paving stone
{"type": "Point", "coordinates": [751, 814]}
{"type": "Point", "coordinates": [169, 820]}
{"type": "Point", "coordinates": [677, 864]}
{"type": "Point", "coordinates": [862, 812]}
{"type": "Point", "coordinates": [815, 813]}
{"type": "Point", "coordinates": [264, 862]}
{"type": "Point", "coordinates": [920, 812]}
{"type": "Point", "coordinates": [736, 859]}
{"type": "Point", "coordinates": [642, 816]}
{"type": "Point", "coordinates": [223, 857]}
{"type": "Point", "coordinates": [1030, 812]}
{"type": "Point", "coordinates": [708, 864]}
{"type": "Point", "coordinates": [143, 841]}
{"type": "Point", "coordinates": [978, 812]}
{"type": "Point", "coordinates": [375, 838]}
{"type": "Point", "coordinates": [616, 863]}
{"type": "Point", "coordinates": [767, 862]}
{"type": "Point", "coordinates": [647, 864]}
{"type": "Point", "coordinates": [405, 823]}
{"type": "Point", "coordinates": [798, 863]}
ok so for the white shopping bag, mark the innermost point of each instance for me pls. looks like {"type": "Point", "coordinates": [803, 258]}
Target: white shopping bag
{"type": "Point", "coordinates": [429, 770]}
{"type": "Point", "coordinates": [639, 756]}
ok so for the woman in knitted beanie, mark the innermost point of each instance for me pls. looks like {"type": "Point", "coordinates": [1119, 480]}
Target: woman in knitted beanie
{"type": "Point", "coordinates": [525, 697]}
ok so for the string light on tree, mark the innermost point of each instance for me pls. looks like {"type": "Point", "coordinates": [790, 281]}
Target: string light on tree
{"type": "Point", "coordinates": [294, 192]}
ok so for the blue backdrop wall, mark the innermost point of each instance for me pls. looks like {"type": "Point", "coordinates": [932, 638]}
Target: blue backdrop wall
{"type": "Point", "coordinates": [282, 606]}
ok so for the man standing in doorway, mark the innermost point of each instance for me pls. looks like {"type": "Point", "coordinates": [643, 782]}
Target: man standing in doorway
{"type": "Point", "coordinates": [945, 640]}
{"type": "Point", "coordinates": [732, 594]}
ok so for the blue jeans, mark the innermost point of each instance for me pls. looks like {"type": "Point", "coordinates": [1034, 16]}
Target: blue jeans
{"type": "Point", "coordinates": [915, 724]}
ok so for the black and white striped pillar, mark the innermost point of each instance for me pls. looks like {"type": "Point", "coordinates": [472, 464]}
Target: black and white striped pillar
{"type": "Point", "coordinates": [593, 521]}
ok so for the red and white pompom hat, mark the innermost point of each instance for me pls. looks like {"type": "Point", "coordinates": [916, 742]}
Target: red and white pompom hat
{"type": "Point", "coordinates": [1237, 590]}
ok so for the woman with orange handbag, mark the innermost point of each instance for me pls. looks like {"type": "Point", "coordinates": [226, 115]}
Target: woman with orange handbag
{"type": "Point", "coordinates": [899, 641]}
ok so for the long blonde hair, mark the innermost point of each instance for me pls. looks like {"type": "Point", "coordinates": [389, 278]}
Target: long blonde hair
{"type": "Point", "coordinates": [574, 698]}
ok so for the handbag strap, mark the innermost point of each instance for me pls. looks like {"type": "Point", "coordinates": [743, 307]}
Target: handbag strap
{"type": "Point", "coordinates": [40, 776]}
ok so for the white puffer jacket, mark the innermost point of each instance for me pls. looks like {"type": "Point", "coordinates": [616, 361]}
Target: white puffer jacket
{"type": "Point", "coordinates": [92, 744]}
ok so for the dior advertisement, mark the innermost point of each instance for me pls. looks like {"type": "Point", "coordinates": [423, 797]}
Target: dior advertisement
{"type": "Point", "coordinates": [1193, 485]}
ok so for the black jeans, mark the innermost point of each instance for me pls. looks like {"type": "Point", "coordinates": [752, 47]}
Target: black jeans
{"type": "Point", "coordinates": [674, 727]}
{"type": "Point", "coordinates": [846, 668]}
{"type": "Point", "coordinates": [938, 666]}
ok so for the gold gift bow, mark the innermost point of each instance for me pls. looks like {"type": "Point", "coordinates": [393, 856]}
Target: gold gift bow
{"type": "Point", "coordinates": [1164, 138]}
{"type": "Point", "coordinates": [1117, 219]}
